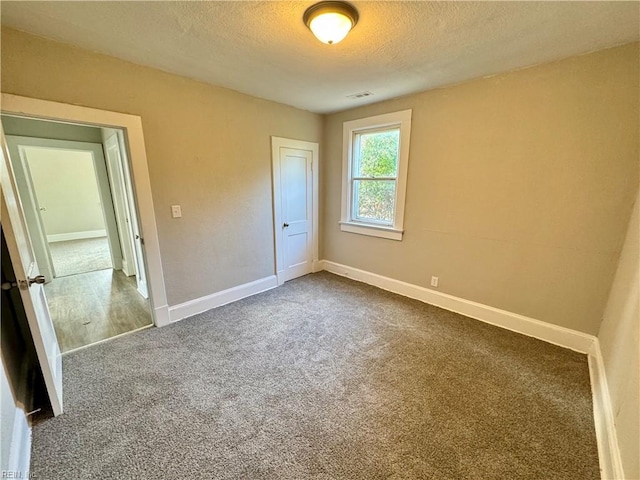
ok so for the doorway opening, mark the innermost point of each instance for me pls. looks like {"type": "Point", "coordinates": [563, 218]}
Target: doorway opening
{"type": "Point", "coordinates": [75, 187]}
{"type": "Point", "coordinates": [64, 185]}
{"type": "Point", "coordinates": [58, 118]}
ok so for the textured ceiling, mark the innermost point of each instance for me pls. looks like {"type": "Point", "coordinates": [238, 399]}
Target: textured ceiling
{"type": "Point", "coordinates": [264, 49]}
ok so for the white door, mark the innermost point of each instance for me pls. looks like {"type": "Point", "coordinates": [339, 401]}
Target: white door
{"type": "Point", "coordinates": [29, 280]}
{"type": "Point", "coordinates": [141, 273]}
{"type": "Point", "coordinates": [116, 180]}
{"type": "Point", "coordinates": [297, 222]}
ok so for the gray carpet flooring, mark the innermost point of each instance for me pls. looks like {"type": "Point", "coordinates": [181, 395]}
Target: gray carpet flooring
{"type": "Point", "coordinates": [322, 378]}
{"type": "Point", "coordinates": [80, 256]}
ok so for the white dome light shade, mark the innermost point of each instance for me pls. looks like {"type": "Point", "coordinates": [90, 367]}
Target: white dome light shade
{"type": "Point", "coordinates": [330, 27]}
{"type": "Point", "coordinates": [330, 22]}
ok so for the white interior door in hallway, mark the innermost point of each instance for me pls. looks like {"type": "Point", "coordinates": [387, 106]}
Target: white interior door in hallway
{"type": "Point", "coordinates": [117, 164]}
{"type": "Point", "coordinates": [295, 198]}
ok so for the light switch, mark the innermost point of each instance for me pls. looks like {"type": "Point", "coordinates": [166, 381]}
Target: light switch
{"type": "Point", "coordinates": [176, 211]}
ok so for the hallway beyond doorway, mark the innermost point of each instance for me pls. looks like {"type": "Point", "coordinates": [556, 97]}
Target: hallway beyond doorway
{"type": "Point", "coordinates": [94, 306]}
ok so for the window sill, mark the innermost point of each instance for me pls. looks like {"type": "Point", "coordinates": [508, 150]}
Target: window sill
{"type": "Point", "coordinates": [389, 233]}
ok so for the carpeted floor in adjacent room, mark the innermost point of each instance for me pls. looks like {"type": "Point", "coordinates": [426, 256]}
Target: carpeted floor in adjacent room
{"type": "Point", "coordinates": [322, 378]}
{"type": "Point", "coordinates": [72, 257]}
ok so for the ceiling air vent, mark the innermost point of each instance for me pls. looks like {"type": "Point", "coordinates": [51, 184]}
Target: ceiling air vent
{"type": "Point", "coordinates": [359, 95]}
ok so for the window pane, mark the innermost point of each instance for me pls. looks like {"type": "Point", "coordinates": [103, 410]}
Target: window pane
{"type": "Point", "coordinates": [377, 154]}
{"type": "Point", "coordinates": [374, 200]}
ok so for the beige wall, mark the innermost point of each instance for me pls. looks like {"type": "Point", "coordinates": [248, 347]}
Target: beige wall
{"type": "Point", "coordinates": [520, 185]}
{"type": "Point", "coordinates": [620, 344]}
{"type": "Point", "coordinates": [208, 150]}
{"type": "Point", "coordinates": [519, 190]}
{"type": "Point", "coordinates": [71, 203]}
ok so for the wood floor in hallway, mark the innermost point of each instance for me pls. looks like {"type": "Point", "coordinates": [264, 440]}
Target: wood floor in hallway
{"type": "Point", "coordinates": [94, 306]}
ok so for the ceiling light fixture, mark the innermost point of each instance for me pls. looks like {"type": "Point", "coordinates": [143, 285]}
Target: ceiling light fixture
{"type": "Point", "coordinates": [330, 22]}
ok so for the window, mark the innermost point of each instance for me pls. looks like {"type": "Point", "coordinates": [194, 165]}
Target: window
{"type": "Point", "coordinates": [375, 159]}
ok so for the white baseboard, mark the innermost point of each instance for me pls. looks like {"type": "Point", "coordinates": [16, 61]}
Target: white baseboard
{"type": "Point", "coordinates": [608, 450]}
{"type": "Point", "coordinates": [20, 448]}
{"type": "Point", "coordinates": [564, 337]}
{"type": "Point", "coordinates": [143, 290]}
{"type": "Point", "coordinates": [64, 237]}
{"type": "Point", "coordinates": [202, 304]}
{"type": "Point", "coordinates": [162, 316]}
{"type": "Point", "coordinates": [126, 269]}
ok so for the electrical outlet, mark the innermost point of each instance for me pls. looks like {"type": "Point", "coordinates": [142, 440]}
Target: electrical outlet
{"type": "Point", "coordinates": [176, 211]}
{"type": "Point", "coordinates": [434, 282]}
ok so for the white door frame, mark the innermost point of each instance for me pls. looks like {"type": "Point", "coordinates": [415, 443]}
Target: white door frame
{"type": "Point", "coordinates": [276, 144]}
{"type": "Point", "coordinates": [132, 125]}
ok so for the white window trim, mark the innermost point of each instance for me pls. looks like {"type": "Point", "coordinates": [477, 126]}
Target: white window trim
{"type": "Point", "coordinates": [402, 120]}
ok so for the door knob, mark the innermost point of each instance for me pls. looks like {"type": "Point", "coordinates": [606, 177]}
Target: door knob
{"type": "Point", "coordinates": [285, 225]}
{"type": "Point", "coordinates": [39, 279]}
{"type": "Point", "coordinates": [24, 284]}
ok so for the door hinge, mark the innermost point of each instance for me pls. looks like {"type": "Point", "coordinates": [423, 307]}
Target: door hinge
{"type": "Point", "coordinates": [8, 285]}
